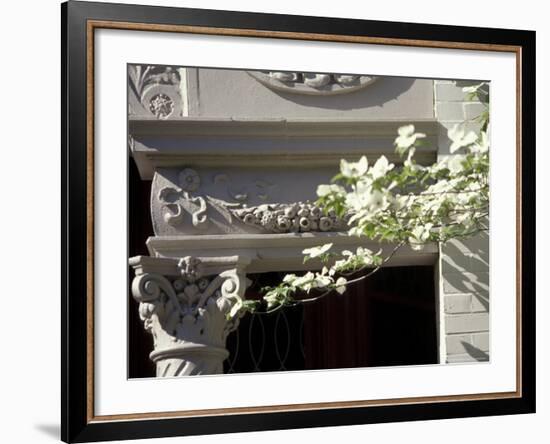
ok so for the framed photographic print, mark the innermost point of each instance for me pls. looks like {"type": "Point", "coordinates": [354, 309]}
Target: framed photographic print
{"type": "Point", "coordinates": [277, 221]}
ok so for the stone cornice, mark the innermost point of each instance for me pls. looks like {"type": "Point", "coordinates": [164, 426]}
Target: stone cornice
{"type": "Point", "coordinates": [267, 142]}
{"type": "Point", "coordinates": [258, 127]}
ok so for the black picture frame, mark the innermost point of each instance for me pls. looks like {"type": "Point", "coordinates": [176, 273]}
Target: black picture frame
{"type": "Point", "coordinates": [77, 422]}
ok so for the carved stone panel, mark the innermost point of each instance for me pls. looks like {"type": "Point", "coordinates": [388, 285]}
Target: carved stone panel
{"type": "Point", "coordinates": [238, 201]}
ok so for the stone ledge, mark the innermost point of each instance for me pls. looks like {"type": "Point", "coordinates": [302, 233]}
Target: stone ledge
{"type": "Point", "coordinates": [267, 142]}
{"type": "Point", "coordinates": [277, 252]}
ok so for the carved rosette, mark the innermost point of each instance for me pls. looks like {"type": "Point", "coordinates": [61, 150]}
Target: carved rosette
{"type": "Point", "coordinates": [189, 316]}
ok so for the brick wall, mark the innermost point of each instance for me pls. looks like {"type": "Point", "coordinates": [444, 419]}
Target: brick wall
{"type": "Point", "coordinates": [463, 265]}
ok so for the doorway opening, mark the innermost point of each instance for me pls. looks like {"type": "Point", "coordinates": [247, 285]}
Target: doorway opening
{"type": "Point", "coordinates": [387, 319]}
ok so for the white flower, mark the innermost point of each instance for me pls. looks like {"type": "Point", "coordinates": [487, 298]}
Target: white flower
{"type": "Point", "coordinates": [339, 264]}
{"type": "Point", "coordinates": [272, 299]}
{"type": "Point", "coordinates": [440, 187]}
{"type": "Point", "coordinates": [305, 282]}
{"type": "Point", "coordinates": [420, 234]}
{"type": "Point", "coordinates": [360, 216]}
{"type": "Point", "coordinates": [462, 217]}
{"type": "Point", "coordinates": [355, 200]}
{"type": "Point", "coordinates": [376, 200]}
{"type": "Point", "coordinates": [400, 201]}
{"type": "Point", "coordinates": [341, 285]}
{"type": "Point", "coordinates": [289, 278]}
{"type": "Point", "coordinates": [323, 190]}
{"type": "Point", "coordinates": [409, 162]}
{"type": "Point", "coordinates": [381, 167]}
{"type": "Point", "coordinates": [322, 281]}
{"type": "Point", "coordinates": [482, 145]}
{"type": "Point", "coordinates": [407, 137]}
{"type": "Point", "coordinates": [362, 251]}
{"type": "Point", "coordinates": [236, 307]}
{"type": "Point", "coordinates": [317, 251]}
{"type": "Point", "coordinates": [459, 137]}
{"type": "Point", "coordinates": [365, 254]}
{"type": "Point", "coordinates": [354, 169]}
{"type": "Point", "coordinates": [455, 163]}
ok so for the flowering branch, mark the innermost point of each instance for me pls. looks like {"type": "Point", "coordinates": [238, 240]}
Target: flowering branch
{"type": "Point", "coordinates": [410, 205]}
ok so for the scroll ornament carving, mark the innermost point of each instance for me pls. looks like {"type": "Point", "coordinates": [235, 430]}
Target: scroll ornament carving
{"type": "Point", "coordinates": [189, 181]}
{"type": "Point", "coordinates": [189, 317]}
{"type": "Point", "coordinates": [157, 89]}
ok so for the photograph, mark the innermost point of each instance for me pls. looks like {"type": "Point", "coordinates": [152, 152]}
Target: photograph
{"type": "Point", "coordinates": [299, 221]}
{"type": "Point", "coordinates": [288, 222]}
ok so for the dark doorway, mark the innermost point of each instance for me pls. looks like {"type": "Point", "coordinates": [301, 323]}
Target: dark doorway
{"type": "Point", "coordinates": [388, 319]}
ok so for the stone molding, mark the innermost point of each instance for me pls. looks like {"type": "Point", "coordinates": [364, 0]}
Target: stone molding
{"type": "Point", "coordinates": [277, 252]}
{"type": "Point", "coordinates": [295, 143]}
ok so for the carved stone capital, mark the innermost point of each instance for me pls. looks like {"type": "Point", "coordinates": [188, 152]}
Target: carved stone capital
{"type": "Point", "coordinates": [188, 307]}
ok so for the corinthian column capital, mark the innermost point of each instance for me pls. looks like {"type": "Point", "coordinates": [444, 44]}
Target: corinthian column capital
{"type": "Point", "coordinates": [189, 306]}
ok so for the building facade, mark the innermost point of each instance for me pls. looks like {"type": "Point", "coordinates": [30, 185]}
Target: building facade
{"type": "Point", "coordinates": [223, 171]}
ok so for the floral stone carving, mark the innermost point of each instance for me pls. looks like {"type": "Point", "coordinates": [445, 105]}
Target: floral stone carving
{"type": "Point", "coordinates": [312, 83]}
{"type": "Point", "coordinates": [157, 89]}
{"type": "Point", "coordinates": [288, 218]}
{"type": "Point", "coordinates": [189, 316]}
{"type": "Point", "coordinates": [184, 207]}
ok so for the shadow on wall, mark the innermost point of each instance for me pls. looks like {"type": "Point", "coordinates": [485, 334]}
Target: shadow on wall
{"type": "Point", "coordinates": [465, 272]}
{"type": "Point", "coordinates": [484, 89]}
{"type": "Point", "coordinates": [384, 90]}
{"type": "Point", "coordinates": [475, 352]}
{"type": "Point", "coordinates": [466, 266]}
